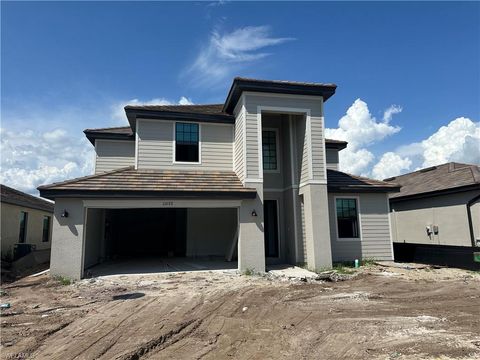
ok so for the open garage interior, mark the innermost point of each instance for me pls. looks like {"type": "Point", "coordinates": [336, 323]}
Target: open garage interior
{"type": "Point", "coordinates": [150, 240]}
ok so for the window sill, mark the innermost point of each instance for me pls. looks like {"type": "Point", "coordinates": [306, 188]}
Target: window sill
{"type": "Point", "coordinates": [186, 163]}
{"type": "Point", "coordinates": [349, 239]}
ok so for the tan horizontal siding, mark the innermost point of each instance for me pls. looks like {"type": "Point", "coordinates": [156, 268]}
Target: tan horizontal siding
{"type": "Point", "coordinates": [156, 146]}
{"type": "Point", "coordinates": [113, 154]}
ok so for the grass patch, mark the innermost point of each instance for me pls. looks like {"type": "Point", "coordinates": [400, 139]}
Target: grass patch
{"type": "Point", "coordinates": [343, 269]}
{"type": "Point", "coordinates": [248, 272]}
{"type": "Point", "coordinates": [63, 280]}
{"type": "Point", "coordinates": [368, 262]}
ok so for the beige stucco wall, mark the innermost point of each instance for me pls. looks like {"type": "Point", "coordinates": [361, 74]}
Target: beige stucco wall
{"type": "Point", "coordinates": [10, 222]}
{"type": "Point", "coordinates": [449, 212]}
{"type": "Point", "coordinates": [375, 234]}
{"type": "Point", "coordinates": [67, 239]}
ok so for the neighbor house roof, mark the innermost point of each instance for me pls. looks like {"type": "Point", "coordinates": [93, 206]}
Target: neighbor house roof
{"type": "Point", "coordinates": [16, 197]}
{"type": "Point", "coordinates": [240, 85]}
{"type": "Point", "coordinates": [126, 133]}
{"type": "Point", "coordinates": [338, 181]}
{"type": "Point", "coordinates": [128, 182]}
{"type": "Point", "coordinates": [437, 179]}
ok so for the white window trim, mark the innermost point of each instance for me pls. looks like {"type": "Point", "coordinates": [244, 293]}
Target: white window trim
{"type": "Point", "coordinates": [277, 150]}
{"type": "Point", "coordinates": [359, 218]}
{"type": "Point", "coordinates": [199, 162]}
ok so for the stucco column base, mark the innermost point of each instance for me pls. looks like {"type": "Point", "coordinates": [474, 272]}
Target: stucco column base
{"type": "Point", "coordinates": [317, 228]}
{"type": "Point", "coordinates": [251, 243]}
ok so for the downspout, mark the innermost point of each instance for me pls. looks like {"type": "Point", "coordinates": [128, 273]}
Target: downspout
{"type": "Point", "coordinates": [469, 215]}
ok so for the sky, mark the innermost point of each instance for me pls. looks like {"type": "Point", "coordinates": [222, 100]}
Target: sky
{"type": "Point", "coordinates": [408, 74]}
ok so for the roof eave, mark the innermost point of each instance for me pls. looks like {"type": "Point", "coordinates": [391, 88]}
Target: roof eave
{"type": "Point", "coordinates": [92, 136]}
{"type": "Point", "coordinates": [337, 146]}
{"type": "Point", "coordinates": [436, 193]}
{"type": "Point", "coordinates": [363, 189]}
{"type": "Point", "coordinates": [70, 193]}
{"type": "Point", "coordinates": [241, 85]}
{"type": "Point", "coordinates": [134, 113]}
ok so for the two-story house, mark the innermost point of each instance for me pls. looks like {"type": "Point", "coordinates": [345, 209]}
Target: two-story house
{"type": "Point", "coordinates": [253, 179]}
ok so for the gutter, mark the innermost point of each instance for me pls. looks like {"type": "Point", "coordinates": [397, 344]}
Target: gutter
{"type": "Point", "coordinates": [470, 222]}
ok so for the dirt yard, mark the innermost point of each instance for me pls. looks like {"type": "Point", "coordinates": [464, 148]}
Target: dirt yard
{"type": "Point", "coordinates": [381, 313]}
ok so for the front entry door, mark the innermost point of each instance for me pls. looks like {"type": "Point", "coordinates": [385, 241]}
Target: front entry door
{"type": "Point", "coordinates": [271, 228]}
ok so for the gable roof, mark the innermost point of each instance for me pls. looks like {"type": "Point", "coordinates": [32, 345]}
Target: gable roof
{"type": "Point", "coordinates": [15, 197]}
{"type": "Point", "coordinates": [126, 133]}
{"type": "Point", "coordinates": [338, 181]}
{"type": "Point", "coordinates": [130, 182]}
{"type": "Point", "coordinates": [442, 178]}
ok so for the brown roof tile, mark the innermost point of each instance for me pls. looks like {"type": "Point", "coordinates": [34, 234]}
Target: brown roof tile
{"type": "Point", "coordinates": [16, 197]}
{"type": "Point", "coordinates": [340, 181]}
{"type": "Point", "coordinates": [199, 109]}
{"type": "Point", "coordinates": [437, 178]}
{"type": "Point", "coordinates": [155, 183]}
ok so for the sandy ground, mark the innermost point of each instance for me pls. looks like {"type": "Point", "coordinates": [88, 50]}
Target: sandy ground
{"type": "Point", "coordinates": [383, 312]}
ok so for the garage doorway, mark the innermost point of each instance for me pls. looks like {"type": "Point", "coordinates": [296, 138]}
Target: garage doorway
{"type": "Point", "coordinates": [146, 232]}
{"type": "Point", "coordinates": [149, 240]}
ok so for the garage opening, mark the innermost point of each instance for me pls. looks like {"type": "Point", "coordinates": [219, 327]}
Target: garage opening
{"type": "Point", "coordinates": [119, 241]}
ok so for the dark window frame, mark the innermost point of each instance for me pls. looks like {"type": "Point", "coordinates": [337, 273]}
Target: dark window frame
{"type": "Point", "coordinates": [268, 148]}
{"type": "Point", "coordinates": [187, 146]}
{"type": "Point", "coordinates": [22, 235]}
{"type": "Point", "coordinates": [46, 230]}
{"type": "Point", "coordinates": [347, 218]}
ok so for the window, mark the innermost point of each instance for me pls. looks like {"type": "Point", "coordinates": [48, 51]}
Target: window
{"type": "Point", "coordinates": [22, 236]}
{"type": "Point", "coordinates": [269, 149]}
{"type": "Point", "coordinates": [46, 229]}
{"type": "Point", "coordinates": [347, 218]}
{"type": "Point", "coordinates": [186, 142]}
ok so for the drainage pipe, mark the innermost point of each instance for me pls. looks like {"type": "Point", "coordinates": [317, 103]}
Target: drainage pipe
{"type": "Point", "coordinates": [469, 215]}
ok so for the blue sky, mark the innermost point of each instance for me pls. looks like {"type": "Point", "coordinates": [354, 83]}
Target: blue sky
{"type": "Point", "coordinates": [67, 66]}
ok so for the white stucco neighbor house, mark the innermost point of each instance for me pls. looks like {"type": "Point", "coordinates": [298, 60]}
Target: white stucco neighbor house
{"type": "Point", "coordinates": [251, 180]}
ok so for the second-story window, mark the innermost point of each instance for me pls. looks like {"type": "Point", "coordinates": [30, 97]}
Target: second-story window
{"type": "Point", "coordinates": [186, 142]}
{"type": "Point", "coordinates": [269, 149]}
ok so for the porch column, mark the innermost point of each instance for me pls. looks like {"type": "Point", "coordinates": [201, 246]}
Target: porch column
{"type": "Point", "coordinates": [251, 243]}
{"type": "Point", "coordinates": [317, 227]}
{"type": "Point", "coordinates": [67, 239]}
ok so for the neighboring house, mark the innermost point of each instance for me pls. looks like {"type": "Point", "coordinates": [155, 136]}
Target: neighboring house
{"type": "Point", "coordinates": [436, 215]}
{"type": "Point", "coordinates": [26, 223]}
{"type": "Point", "coordinates": [253, 179]}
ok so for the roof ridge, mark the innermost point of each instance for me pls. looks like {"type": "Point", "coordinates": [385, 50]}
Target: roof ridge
{"type": "Point", "coordinates": [83, 178]}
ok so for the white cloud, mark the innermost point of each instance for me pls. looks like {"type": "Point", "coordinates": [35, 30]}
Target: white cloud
{"type": "Point", "coordinates": [390, 164]}
{"type": "Point", "coordinates": [361, 129]}
{"type": "Point", "coordinates": [33, 158]}
{"type": "Point", "coordinates": [226, 53]}
{"type": "Point", "coordinates": [392, 110]}
{"type": "Point", "coordinates": [458, 141]}
{"type": "Point", "coordinates": [118, 111]}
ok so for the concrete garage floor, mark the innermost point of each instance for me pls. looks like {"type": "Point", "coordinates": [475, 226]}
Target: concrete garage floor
{"type": "Point", "coordinates": [142, 266]}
